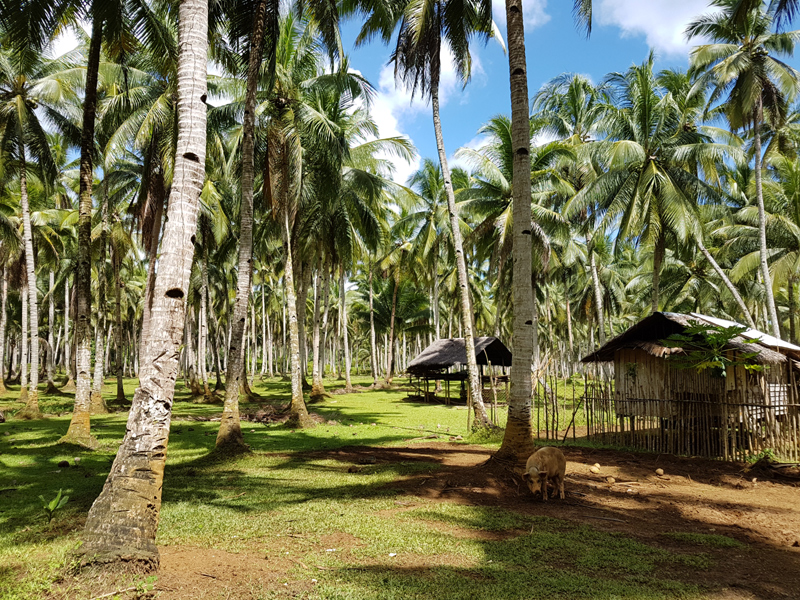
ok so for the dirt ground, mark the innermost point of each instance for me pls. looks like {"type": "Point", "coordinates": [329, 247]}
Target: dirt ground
{"type": "Point", "coordinates": [693, 495]}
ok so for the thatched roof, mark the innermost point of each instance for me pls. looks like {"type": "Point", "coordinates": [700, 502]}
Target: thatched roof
{"type": "Point", "coordinates": [647, 334]}
{"type": "Point", "coordinates": [442, 354]}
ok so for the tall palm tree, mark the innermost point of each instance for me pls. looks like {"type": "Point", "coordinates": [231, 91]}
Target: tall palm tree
{"type": "Point", "coordinates": [121, 525]}
{"type": "Point", "coordinates": [518, 438]}
{"type": "Point", "coordinates": [742, 64]}
{"type": "Point", "coordinates": [24, 79]}
{"type": "Point", "coordinates": [424, 28]}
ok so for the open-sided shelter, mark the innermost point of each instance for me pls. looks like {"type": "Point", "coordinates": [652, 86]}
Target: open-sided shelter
{"type": "Point", "coordinates": [731, 414]}
{"type": "Point", "coordinates": [445, 360]}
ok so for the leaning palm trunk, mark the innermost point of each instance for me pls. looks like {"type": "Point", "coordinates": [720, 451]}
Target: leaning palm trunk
{"type": "Point", "coordinates": [762, 222]}
{"type": "Point", "coordinates": [79, 427]}
{"type": "Point", "coordinates": [518, 438]}
{"type": "Point", "coordinates": [598, 294]}
{"type": "Point", "coordinates": [475, 388]}
{"type": "Point", "coordinates": [122, 522]}
{"type": "Point", "coordinates": [731, 288]}
{"type": "Point", "coordinates": [31, 409]}
{"type": "Point", "coordinates": [230, 430]}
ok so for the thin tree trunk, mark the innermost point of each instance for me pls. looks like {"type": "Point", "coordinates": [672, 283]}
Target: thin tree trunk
{"type": "Point", "coordinates": [31, 409]}
{"type": "Point", "coordinates": [298, 413]}
{"type": "Point", "coordinates": [51, 317]}
{"type": "Point", "coordinates": [230, 430]}
{"type": "Point", "coordinates": [270, 363]}
{"type": "Point", "coordinates": [348, 385]}
{"type": "Point", "coordinates": [658, 258]}
{"type": "Point", "coordinates": [116, 260]}
{"type": "Point", "coordinates": [762, 222]}
{"type": "Point", "coordinates": [326, 301]}
{"type": "Point", "coordinates": [598, 293]}
{"type": "Point", "coordinates": [373, 352]}
{"type": "Point", "coordinates": [317, 388]}
{"type": "Point", "coordinates": [264, 345]}
{"type": "Point", "coordinates": [68, 347]}
{"type": "Point", "coordinates": [732, 288]}
{"type": "Point", "coordinates": [122, 523]}
{"type": "Point", "coordinates": [79, 427]}
{"type": "Point", "coordinates": [792, 313]}
{"type": "Point", "coordinates": [517, 442]}
{"type": "Point", "coordinates": [3, 326]}
{"type": "Point", "coordinates": [98, 405]}
{"type": "Point", "coordinates": [390, 343]}
{"type": "Point", "coordinates": [24, 340]}
{"type": "Point", "coordinates": [475, 387]}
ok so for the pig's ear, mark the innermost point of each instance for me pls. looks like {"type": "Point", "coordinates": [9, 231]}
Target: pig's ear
{"type": "Point", "coordinates": [526, 476]}
{"type": "Point", "coordinates": [543, 475]}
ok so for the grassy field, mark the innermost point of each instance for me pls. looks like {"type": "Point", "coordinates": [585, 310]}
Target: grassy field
{"type": "Point", "coordinates": [277, 501]}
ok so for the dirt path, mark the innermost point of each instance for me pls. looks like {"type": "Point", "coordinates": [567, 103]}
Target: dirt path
{"type": "Point", "coordinates": [693, 496]}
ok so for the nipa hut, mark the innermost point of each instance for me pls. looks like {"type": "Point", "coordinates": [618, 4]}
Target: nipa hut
{"type": "Point", "coordinates": [653, 404]}
{"type": "Point", "coordinates": [445, 361]}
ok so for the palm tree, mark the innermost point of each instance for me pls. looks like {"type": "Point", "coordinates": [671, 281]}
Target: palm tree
{"type": "Point", "coordinates": [122, 522]}
{"type": "Point", "coordinates": [757, 85]}
{"type": "Point", "coordinates": [23, 86]}
{"type": "Point", "coordinates": [230, 432]}
{"type": "Point", "coordinates": [651, 189]}
{"type": "Point", "coordinates": [424, 27]}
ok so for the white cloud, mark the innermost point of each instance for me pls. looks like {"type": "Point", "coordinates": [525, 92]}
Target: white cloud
{"type": "Point", "coordinates": [534, 12]}
{"type": "Point", "coordinates": [662, 22]}
{"type": "Point", "coordinates": [394, 107]}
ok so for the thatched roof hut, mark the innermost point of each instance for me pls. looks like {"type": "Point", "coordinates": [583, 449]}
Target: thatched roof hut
{"type": "Point", "coordinates": [446, 353]}
{"type": "Point", "coordinates": [647, 334]}
{"type": "Point", "coordinates": [660, 405]}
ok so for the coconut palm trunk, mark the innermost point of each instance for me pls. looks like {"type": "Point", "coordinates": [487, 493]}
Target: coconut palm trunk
{"type": "Point", "coordinates": [598, 293]}
{"type": "Point", "coordinates": [518, 438]}
{"type": "Point", "coordinates": [3, 326]}
{"type": "Point", "coordinates": [731, 288]}
{"type": "Point", "coordinates": [230, 430]}
{"type": "Point", "coordinates": [31, 409]}
{"type": "Point", "coordinates": [51, 318]}
{"type": "Point", "coordinates": [390, 343]}
{"type": "Point", "coordinates": [298, 414]}
{"type": "Point", "coordinates": [317, 388]}
{"type": "Point", "coordinates": [762, 221]}
{"type": "Point", "coordinates": [23, 346]}
{"type": "Point", "coordinates": [98, 405]}
{"type": "Point", "coordinates": [474, 381]}
{"type": "Point", "coordinates": [79, 427]}
{"type": "Point", "coordinates": [121, 525]}
{"type": "Point", "coordinates": [348, 385]}
{"type": "Point", "coordinates": [70, 385]}
{"type": "Point", "coordinates": [373, 351]}
{"type": "Point", "coordinates": [118, 321]}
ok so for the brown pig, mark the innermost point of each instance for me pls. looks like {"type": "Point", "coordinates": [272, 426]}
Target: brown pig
{"type": "Point", "coordinates": [546, 464]}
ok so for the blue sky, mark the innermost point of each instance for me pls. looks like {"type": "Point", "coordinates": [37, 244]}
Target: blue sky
{"type": "Point", "coordinates": [623, 34]}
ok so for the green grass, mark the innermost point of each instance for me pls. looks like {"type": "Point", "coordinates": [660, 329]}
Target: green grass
{"type": "Point", "coordinates": [705, 539]}
{"type": "Point", "coordinates": [279, 499]}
